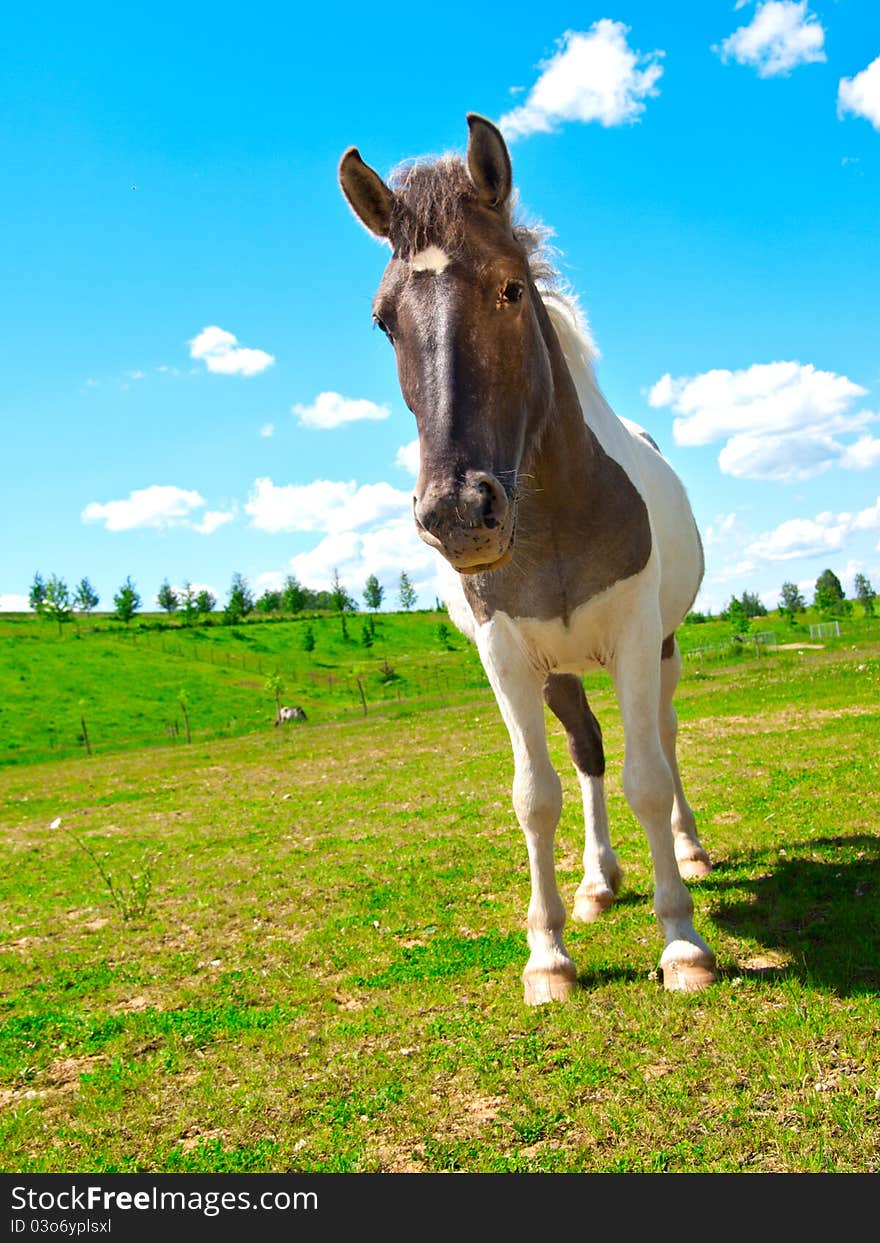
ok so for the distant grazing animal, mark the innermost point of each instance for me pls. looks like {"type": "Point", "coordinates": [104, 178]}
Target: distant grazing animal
{"type": "Point", "coordinates": [571, 541]}
{"type": "Point", "coordinates": [290, 714]}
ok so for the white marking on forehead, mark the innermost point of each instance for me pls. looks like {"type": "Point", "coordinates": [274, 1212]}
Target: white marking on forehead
{"type": "Point", "coordinates": [431, 259]}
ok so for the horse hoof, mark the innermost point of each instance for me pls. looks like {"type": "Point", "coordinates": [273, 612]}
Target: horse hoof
{"type": "Point", "coordinates": [688, 975]}
{"type": "Point", "coordinates": [588, 907]}
{"type": "Point", "coordinates": [697, 867]}
{"type": "Point", "coordinates": [542, 986]}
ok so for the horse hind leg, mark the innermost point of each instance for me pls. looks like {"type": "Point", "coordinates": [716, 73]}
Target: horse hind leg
{"type": "Point", "coordinates": [693, 861]}
{"type": "Point", "coordinates": [564, 695]}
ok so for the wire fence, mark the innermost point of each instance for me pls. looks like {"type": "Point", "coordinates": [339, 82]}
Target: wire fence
{"type": "Point", "coordinates": [758, 643]}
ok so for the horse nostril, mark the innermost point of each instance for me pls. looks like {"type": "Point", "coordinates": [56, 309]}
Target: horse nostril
{"type": "Point", "coordinates": [493, 502]}
{"type": "Point", "coordinates": [486, 506]}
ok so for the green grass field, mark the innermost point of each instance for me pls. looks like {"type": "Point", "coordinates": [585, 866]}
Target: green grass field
{"type": "Point", "coordinates": [123, 683]}
{"type": "Point", "coordinates": [326, 973]}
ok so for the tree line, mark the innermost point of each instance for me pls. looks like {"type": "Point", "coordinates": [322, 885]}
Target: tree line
{"type": "Point", "coordinates": [53, 599]}
{"type": "Point", "coordinates": [829, 599]}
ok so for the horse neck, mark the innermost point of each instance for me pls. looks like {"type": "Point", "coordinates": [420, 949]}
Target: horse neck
{"type": "Point", "coordinates": [565, 452]}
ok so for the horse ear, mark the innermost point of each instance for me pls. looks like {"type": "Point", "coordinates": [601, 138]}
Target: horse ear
{"type": "Point", "coordinates": [367, 194]}
{"type": "Point", "coordinates": [488, 161]}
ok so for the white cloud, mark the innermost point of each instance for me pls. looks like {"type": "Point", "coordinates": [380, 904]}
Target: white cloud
{"type": "Point", "coordinates": [789, 459]}
{"type": "Point", "coordinates": [220, 352]}
{"type": "Point", "coordinates": [156, 506]}
{"type": "Point", "coordinates": [267, 430]}
{"type": "Point", "coordinates": [782, 35]}
{"type": "Point", "coordinates": [594, 76]}
{"type": "Point", "coordinates": [780, 420]}
{"type": "Point", "coordinates": [721, 526]}
{"type": "Point", "coordinates": [213, 520]}
{"type": "Point", "coordinates": [197, 587]}
{"type": "Point", "coordinates": [407, 457]}
{"type": "Point", "coordinates": [728, 573]}
{"type": "Point", "coordinates": [323, 505]}
{"type": "Point", "coordinates": [385, 550]}
{"type": "Point", "coordinates": [864, 454]}
{"type": "Point", "coordinates": [861, 95]}
{"type": "Point", "coordinates": [136, 375]}
{"type": "Point", "coordinates": [332, 410]}
{"type": "Point", "coordinates": [11, 603]}
{"type": "Point", "coordinates": [811, 537]}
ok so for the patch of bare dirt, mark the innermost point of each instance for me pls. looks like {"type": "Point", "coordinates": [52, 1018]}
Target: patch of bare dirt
{"type": "Point", "coordinates": [193, 1137]}
{"type": "Point", "coordinates": [398, 1159]}
{"type": "Point", "coordinates": [135, 1005]}
{"type": "Point", "coordinates": [62, 1076]}
{"type": "Point", "coordinates": [772, 722]}
{"type": "Point", "coordinates": [772, 960]}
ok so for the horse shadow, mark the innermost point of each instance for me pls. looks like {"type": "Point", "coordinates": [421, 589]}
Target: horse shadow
{"type": "Point", "coordinates": [815, 912]}
{"type": "Point", "coordinates": [813, 915]}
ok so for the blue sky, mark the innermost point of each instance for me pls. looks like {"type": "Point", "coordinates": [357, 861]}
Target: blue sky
{"type": "Point", "coordinates": [191, 385]}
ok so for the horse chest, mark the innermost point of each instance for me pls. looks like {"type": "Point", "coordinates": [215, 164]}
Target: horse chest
{"type": "Point", "coordinates": [571, 549]}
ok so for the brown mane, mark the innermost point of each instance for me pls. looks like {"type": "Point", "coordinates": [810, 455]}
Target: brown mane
{"type": "Point", "coordinates": [429, 196]}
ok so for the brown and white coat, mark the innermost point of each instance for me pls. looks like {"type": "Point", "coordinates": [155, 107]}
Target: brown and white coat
{"type": "Point", "coordinates": [568, 541]}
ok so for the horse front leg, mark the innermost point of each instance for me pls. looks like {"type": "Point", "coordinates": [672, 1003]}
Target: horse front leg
{"type": "Point", "coordinates": [549, 974]}
{"type": "Point", "coordinates": [565, 697]}
{"type": "Point", "coordinates": [693, 861]}
{"type": "Point", "coordinates": [687, 962]}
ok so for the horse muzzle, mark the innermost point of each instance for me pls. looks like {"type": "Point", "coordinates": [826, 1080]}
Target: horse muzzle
{"type": "Point", "coordinates": [471, 524]}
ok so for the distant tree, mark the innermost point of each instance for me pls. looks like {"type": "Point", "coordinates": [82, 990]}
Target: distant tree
{"type": "Point", "coordinates": [738, 617]}
{"type": "Point", "coordinates": [127, 601]}
{"type": "Point", "coordinates": [308, 639]}
{"type": "Point", "coordinates": [37, 593]}
{"type": "Point", "coordinates": [444, 635]}
{"type": "Point", "coordinates": [293, 596]}
{"type": "Point", "coordinates": [865, 594]}
{"type": "Point", "coordinates": [275, 686]}
{"type": "Point", "coordinates": [167, 598]}
{"type": "Point", "coordinates": [85, 597]}
{"type": "Point", "coordinates": [366, 636]}
{"type": "Point", "coordinates": [791, 601]}
{"type": "Point", "coordinates": [240, 602]}
{"type": "Point", "coordinates": [373, 593]}
{"type": "Point", "coordinates": [829, 597]}
{"type": "Point", "coordinates": [695, 619]}
{"type": "Point", "coordinates": [753, 606]}
{"type": "Point", "coordinates": [56, 604]}
{"type": "Point", "coordinates": [187, 602]}
{"type": "Point", "coordinates": [270, 602]}
{"type": "Point", "coordinates": [183, 700]}
{"type": "Point", "coordinates": [406, 593]}
{"type": "Point", "coordinates": [340, 600]}
{"type": "Point", "coordinates": [206, 602]}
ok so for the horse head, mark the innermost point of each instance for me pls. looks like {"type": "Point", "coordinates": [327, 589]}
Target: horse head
{"type": "Point", "coordinates": [459, 304]}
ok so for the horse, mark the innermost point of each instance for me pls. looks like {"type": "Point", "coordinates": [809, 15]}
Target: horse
{"type": "Point", "coordinates": [290, 714]}
{"type": "Point", "coordinates": [569, 541]}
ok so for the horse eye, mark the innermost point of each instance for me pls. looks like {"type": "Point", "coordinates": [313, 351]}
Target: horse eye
{"type": "Point", "coordinates": [512, 291]}
{"type": "Point", "coordinates": [380, 323]}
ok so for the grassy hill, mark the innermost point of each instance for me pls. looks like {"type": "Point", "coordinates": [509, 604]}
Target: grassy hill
{"type": "Point", "coordinates": [121, 686]}
{"type": "Point", "coordinates": [125, 683]}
